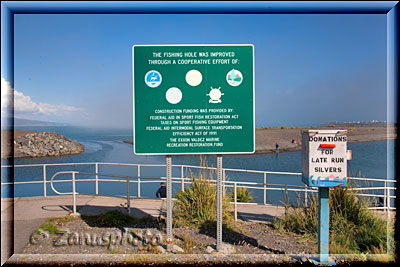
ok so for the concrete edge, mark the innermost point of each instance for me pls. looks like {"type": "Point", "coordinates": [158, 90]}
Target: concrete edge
{"type": "Point", "coordinates": [185, 258]}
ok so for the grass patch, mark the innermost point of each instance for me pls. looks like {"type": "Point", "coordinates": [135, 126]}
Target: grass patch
{"type": "Point", "coordinates": [48, 227]}
{"type": "Point", "coordinates": [242, 195]}
{"type": "Point", "coordinates": [188, 243]}
{"type": "Point", "coordinates": [197, 205]}
{"type": "Point", "coordinates": [114, 218]}
{"type": "Point", "coordinates": [353, 228]}
{"type": "Point", "coordinates": [63, 219]}
{"type": "Point", "coordinates": [114, 250]}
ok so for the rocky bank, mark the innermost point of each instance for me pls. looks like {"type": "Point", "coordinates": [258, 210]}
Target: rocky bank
{"type": "Point", "coordinates": [44, 144]}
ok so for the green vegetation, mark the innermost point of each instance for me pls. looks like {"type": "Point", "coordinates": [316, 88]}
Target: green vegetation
{"type": "Point", "coordinates": [242, 195]}
{"type": "Point", "coordinates": [113, 218]}
{"type": "Point", "coordinates": [188, 244]}
{"type": "Point", "coordinates": [64, 219]}
{"type": "Point", "coordinates": [197, 205]}
{"type": "Point", "coordinates": [353, 228]}
{"type": "Point", "coordinates": [114, 250]}
{"type": "Point", "coordinates": [47, 227]}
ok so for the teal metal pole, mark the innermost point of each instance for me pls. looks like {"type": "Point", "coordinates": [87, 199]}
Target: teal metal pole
{"type": "Point", "coordinates": [323, 228]}
{"type": "Point", "coordinates": [323, 225]}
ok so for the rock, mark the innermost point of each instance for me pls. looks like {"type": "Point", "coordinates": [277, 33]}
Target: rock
{"type": "Point", "coordinates": [44, 144]}
{"type": "Point", "coordinates": [209, 250]}
{"type": "Point", "coordinates": [160, 249]}
{"type": "Point", "coordinates": [227, 249]}
{"type": "Point", "coordinates": [177, 249]}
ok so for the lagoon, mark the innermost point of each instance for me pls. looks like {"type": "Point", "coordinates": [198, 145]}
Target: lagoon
{"type": "Point", "coordinates": [370, 159]}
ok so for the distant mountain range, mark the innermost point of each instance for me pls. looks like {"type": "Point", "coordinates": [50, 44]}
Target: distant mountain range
{"type": "Point", "coordinates": [26, 122]}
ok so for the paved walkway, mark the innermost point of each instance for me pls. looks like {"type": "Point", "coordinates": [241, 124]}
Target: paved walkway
{"type": "Point", "coordinates": [27, 214]}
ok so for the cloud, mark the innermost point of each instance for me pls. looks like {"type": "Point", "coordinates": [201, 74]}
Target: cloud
{"type": "Point", "coordinates": [6, 93]}
{"type": "Point", "coordinates": [24, 105]}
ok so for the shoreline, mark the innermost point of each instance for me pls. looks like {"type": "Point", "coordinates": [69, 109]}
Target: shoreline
{"type": "Point", "coordinates": [295, 149]}
{"type": "Point", "coordinates": [266, 138]}
{"type": "Point", "coordinates": [288, 139]}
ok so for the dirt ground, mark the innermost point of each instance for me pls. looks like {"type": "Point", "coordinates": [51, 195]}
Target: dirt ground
{"type": "Point", "coordinates": [246, 237]}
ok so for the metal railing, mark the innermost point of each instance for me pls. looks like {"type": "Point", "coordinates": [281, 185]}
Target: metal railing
{"type": "Point", "coordinates": [74, 193]}
{"type": "Point", "coordinates": [234, 185]}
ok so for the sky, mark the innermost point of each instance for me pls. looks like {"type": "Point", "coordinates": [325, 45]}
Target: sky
{"type": "Point", "coordinates": [309, 69]}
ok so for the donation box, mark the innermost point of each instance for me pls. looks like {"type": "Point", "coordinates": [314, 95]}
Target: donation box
{"type": "Point", "coordinates": [324, 158]}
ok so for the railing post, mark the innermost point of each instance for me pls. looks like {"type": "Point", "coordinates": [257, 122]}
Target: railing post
{"type": "Point", "coordinates": [44, 181]}
{"type": "Point", "coordinates": [306, 196]}
{"type": "Point", "coordinates": [390, 243]}
{"type": "Point", "coordinates": [97, 178]}
{"type": "Point", "coordinates": [265, 188]}
{"type": "Point", "coordinates": [223, 183]}
{"type": "Point", "coordinates": [388, 204]}
{"type": "Point", "coordinates": [286, 198]}
{"type": "Point", "coordinates": [385, 197]}
{"type": "Point", "coordinates": [128, 195]}
{"type": "Point", "coordinates": [235, 199]}
{"type": "Point", "coordinates": [182, 181]}
{"type": "Point", "coordinates": [73, 195]}
{"type": "Point", "coordinates": [138, 180]}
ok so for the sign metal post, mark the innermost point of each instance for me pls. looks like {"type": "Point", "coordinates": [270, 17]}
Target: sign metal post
{"type": "Point", "coordinates": [169, 202]}
{"type": "Point", "coordinates": [323, 225]}
{"type": "Point", "coordinates": [219, 202]}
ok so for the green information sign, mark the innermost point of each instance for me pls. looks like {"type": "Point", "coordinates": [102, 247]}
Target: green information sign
{"type": "Point", "coordinates": [193, 99]}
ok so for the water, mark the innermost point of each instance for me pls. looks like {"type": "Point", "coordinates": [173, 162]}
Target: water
{"type": "Point", "coordinates": [106, 145]}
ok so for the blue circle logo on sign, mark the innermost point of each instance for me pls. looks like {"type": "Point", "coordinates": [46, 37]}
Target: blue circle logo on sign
{"type": "Point", "coordinates": [153, 78]}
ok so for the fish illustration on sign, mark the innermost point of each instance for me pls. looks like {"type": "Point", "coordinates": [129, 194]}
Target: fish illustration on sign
{"type": "Point", "coordinates": [330, 180]}
{"type": "Point", "coordinates": [153, 78]}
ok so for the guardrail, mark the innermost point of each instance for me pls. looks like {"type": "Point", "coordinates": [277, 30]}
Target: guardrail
{"type": "Point", "coordinates": [285, 188]}
{"type": "Point", "coordinates": [74, 193]}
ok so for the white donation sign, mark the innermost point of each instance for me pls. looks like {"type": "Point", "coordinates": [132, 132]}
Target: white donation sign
{"type": "Point", "coordinates": [324, 158]}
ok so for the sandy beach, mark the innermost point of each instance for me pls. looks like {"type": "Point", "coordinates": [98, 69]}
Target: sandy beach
{"type": "Point", "coordinates": [267, 138]}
